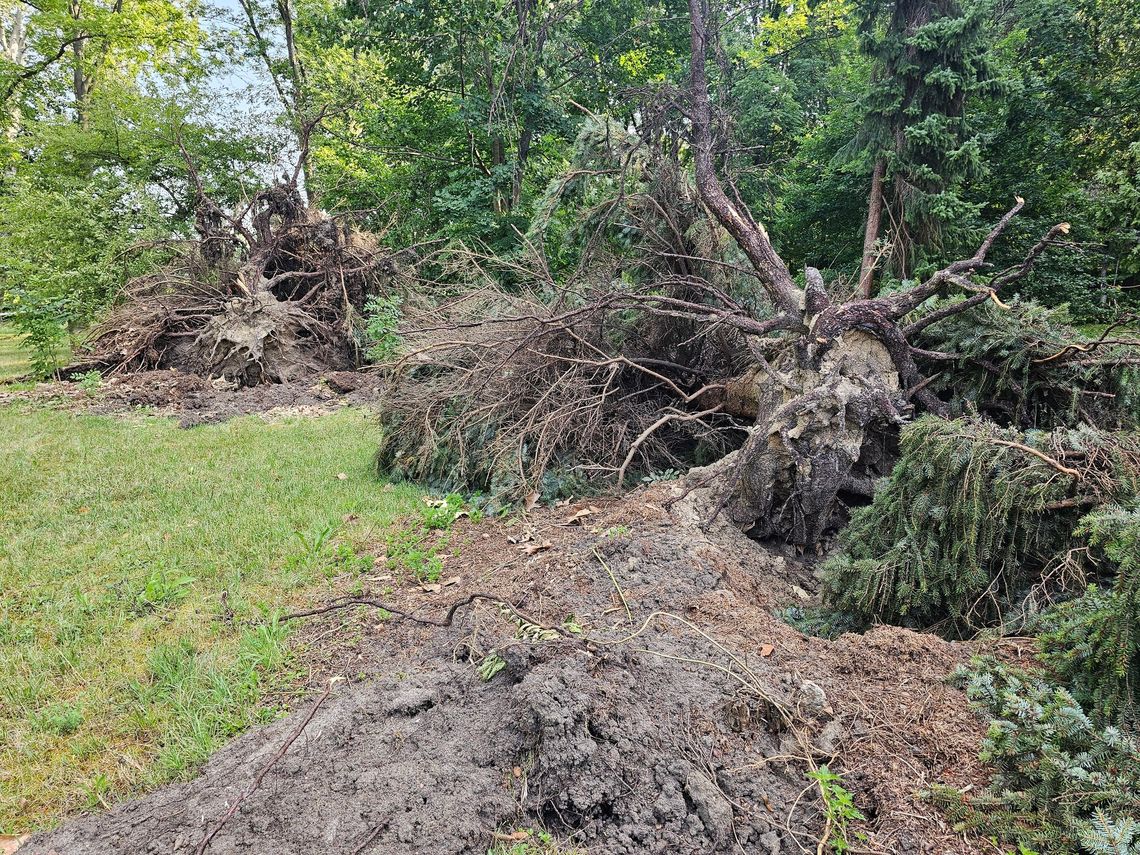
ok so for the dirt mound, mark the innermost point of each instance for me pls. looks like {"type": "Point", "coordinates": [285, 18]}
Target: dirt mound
{"type": "Point", "coordinates": [194, 400]}
{"type": "Point", "coordinates": [621, 683]}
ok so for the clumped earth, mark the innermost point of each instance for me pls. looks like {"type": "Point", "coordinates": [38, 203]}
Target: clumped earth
{"type": "Point", "coordinates": [618, 679]}
{"type": "Point", "coordinates": [195, 400]}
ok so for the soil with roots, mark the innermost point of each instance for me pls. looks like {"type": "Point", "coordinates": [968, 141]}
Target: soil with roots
{"type": "Point", "coordinates": [194, 400]}
{"type": "Point", "coordinates": [637, 696]}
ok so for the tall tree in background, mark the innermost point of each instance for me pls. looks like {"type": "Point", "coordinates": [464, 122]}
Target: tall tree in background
{"type": "Point", "coordinates": [929, 57]}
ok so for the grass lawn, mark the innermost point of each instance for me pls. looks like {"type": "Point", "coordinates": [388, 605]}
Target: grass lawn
{"type": "Point", "coordinates": [13, 360]}
{"type": "Point", "coordinates": [137, 564]}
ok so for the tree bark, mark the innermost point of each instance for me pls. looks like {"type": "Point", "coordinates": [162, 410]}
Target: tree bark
{"type": "Point", "coordinates": [78, 75]}
{"type": "Point", "coordinates": [751, 236]}
{"type": "Point", "coordinates": [871, 235]}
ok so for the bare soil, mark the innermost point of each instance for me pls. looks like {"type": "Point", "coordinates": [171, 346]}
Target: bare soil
{"type": "Point", "coordinates": [683, 717]}
{"type": "Point", "coordinates": [194, 400]}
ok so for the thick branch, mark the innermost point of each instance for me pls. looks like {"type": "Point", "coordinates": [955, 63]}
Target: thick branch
{"type": "Point", "coordinates": [751, 236]}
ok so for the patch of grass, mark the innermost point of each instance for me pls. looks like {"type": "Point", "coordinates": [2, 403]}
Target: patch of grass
{"type": "Point", "coordinates": [140, 569]}
{"type": "Point", "coordinates": [14, 360]}
{"type": "Point", "coordinates": [531, 841]}
{"type": "Point", "coordinates": [417, 549]}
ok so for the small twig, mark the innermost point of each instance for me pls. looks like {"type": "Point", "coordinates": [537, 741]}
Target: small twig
{"type": "Point", "coordinates": [368, 841]}
{"type": "Point", "coordinates": [1060, 467]}
{"type": "Point", "coordinates": [205, 841]}
{"type": "Point", "coordinates": [617, 587]}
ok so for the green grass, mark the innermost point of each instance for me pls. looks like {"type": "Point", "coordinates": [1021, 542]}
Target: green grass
{"type": "Point", "coordinates": [13, 359]}
{"type": "Point", "coordinates": [138, 562]}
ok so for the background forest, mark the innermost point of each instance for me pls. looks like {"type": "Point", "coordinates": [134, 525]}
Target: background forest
{"type": "Point", "coordinates": [454, 121]}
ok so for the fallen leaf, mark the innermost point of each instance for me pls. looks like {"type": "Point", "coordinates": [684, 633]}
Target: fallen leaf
{"type": "Point", "coordinates": [431, 587]}
{"type": "Point", "coordinates": [10, 843]}
{"type": "Point", "coordinates": [766, 650]}
{"type": "Point", "coordinates": [581, 515]}
{"type": "Point", "coordinates": [532, 548]}
{"type": "Point", "coordinates": [340, 476]}
{"type": "Point", "coordinates": [532, 500]}
{"type": "Point", "coordinates": [517, 771]}
{"type": "Point", "coordinates": [513, 837]}
{"type": "Point", "coordinates": [434, 503]}
{"type": "Point", "coordinates": [454, 580]}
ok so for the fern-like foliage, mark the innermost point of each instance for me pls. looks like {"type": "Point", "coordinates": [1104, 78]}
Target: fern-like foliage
{"type": "Point", "coordinates": [1062, 784]}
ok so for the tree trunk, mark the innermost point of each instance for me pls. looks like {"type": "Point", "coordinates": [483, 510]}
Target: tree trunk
{"type": "Point", "coordinates": [78, 75]}
{"type": "Point", "coordinates": [751, 236]}
{"type": "Point", "coordinates": [871, 235]}
{"type": "Point", "coordinates": [14, 45]}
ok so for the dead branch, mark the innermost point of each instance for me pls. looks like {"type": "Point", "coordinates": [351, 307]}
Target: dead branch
{"type": "Point", "coordinates": [297, 731]}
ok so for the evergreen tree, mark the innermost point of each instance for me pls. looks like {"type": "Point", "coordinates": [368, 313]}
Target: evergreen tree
{"type": "Point", "coordinates": [929, 56]}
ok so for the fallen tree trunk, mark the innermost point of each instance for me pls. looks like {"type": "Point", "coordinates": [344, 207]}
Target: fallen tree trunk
{"type": "Point", "coordinates": [673, 353]}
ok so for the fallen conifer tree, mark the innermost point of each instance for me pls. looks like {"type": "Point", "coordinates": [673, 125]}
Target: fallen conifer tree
{"type": "Point", "coordinates": [681, 338]}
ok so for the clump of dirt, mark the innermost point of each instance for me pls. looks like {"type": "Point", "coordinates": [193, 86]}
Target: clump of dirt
{"type": "Point", "coordinates": [610, 673]}
{"type": "Point", "coordinates": [194, 400]}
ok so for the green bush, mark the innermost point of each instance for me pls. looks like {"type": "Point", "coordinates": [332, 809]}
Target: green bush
{"type": "Point", "coordinates": [65, 250]}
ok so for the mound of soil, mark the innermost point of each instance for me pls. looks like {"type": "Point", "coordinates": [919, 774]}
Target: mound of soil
{"type": "Point", "coordinates": [194, 400]}
{"type": "Point", "coordinates": [637, 695]}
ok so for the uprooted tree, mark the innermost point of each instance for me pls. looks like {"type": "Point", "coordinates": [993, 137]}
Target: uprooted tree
{"type": "Point", "coordinates": [268, 292]}
{"type": "Point", "coordinates": [668, 344]}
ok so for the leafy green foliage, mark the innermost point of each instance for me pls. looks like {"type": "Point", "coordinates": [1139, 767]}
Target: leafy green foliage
{"type": "Point", "coordinates": [418, 548]}
{"type": "Point", "coordinates": [65, 251]}
{"type": "Point", "coordinates": [839, 809]}
{"type": "Point", "coordinates": [381, 319]}
{"type": "Point", "coordinates": [1063, 783]}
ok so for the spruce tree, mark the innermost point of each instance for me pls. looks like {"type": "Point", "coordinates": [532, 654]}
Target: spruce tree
{"type": "Point", "coordinates": [929, 56]}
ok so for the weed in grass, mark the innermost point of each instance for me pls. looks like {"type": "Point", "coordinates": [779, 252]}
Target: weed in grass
{"type": "Point", "coordinates": [58, 719]}
{"type": "Point", "coordinates": [163, 587]}
{"type": "Point", "coordinates": [409, 551]}
{"type": "Point", "coordinates": [413, 550]}
{"type": "Point", "coordinates": [531, 841]}
{"type": "Point", "coordinates": [97, 790]}
{"type": "Point", "coordinates": [320, 556]}
{"type": "Point", "coordinates": [90, 382]}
